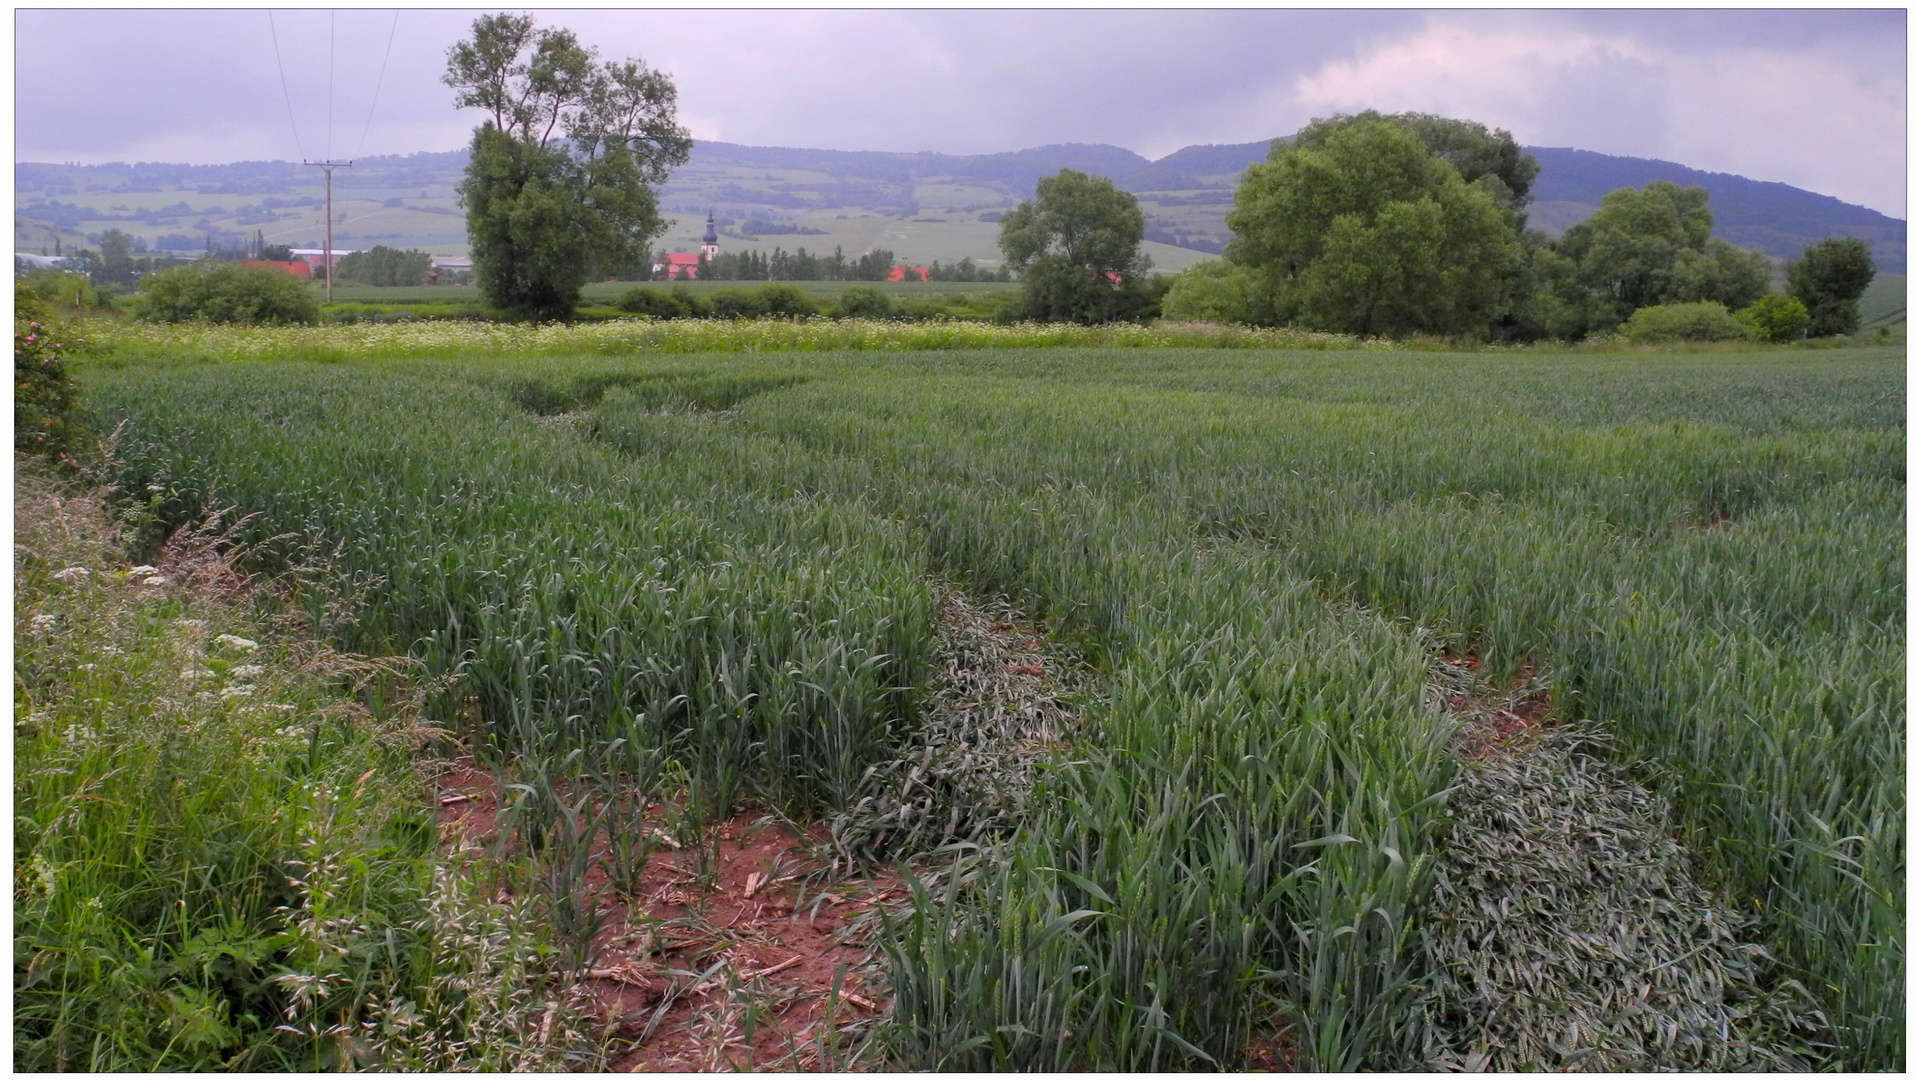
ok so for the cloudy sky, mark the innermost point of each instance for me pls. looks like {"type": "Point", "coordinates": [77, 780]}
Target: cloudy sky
{"type": "Point", "coordinates": [1811, 98]}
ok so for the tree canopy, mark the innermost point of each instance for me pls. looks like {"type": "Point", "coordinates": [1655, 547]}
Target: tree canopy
{"type": "Point", "coordinates": [1645, 248]}
{"type": "Point", "coordinates": [1076, 246]}
{"type": "Point", "coordinates": [1468, 146]}
{"type": "Point", "coordinates": [1358, 226]}
{"type": "Point", "coordinates": [560, 185]}
{"type": "Point", "coordinates": [382, 265]}
{"type": "Point", "coordinates": [1829, 279]}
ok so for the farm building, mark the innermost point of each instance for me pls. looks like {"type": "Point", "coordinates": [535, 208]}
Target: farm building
{"type": "Point", "coordinates": [299, 268]}
{"type": "Point", "coordinates": [676, 266]}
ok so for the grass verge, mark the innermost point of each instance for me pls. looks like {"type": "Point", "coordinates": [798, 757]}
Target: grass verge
{"type": "Point", "coordinates": [221, 859]}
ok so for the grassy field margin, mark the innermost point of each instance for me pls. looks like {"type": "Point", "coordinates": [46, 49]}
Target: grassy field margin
{"type": "Point", "coordinates": [223, 857]}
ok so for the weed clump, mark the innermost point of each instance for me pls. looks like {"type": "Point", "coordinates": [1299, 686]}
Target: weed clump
{"type": "Point", "coordinates": [221, 859]}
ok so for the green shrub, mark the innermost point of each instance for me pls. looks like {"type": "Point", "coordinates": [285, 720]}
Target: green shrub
{"type": "Point", "coordinates": [1705, 321]}
{"type": "Point", "coordinates": [657, 303]}
{"type": "Point", "coordinates": [1213, 291]}
{"type": "Point", "coordinates": [1775, 317]}
{"type": "Point", "coordinates": [226, 293]}
{"type": "Point", "coordinates": [785, 302]}
{"type": "Point", "coordinates": [737, 304]}
{"type": "Point", "coordinates": [863, 302]}
{"type": "Point", "coordinates": [60, 288]}
{"type": "Point", "coordinates": [46, 403]}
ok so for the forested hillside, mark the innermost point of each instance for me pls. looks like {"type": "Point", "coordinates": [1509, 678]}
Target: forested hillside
{"type": "Point", "coordinates": [922, 205]}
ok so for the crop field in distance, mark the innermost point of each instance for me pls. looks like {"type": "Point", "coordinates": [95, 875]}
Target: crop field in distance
{"type": "Point", "coordinates": [1288, 574]}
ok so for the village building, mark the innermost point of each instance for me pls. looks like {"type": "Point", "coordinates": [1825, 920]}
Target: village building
{"type": "Point", "coordinates": [684, 265]}
{"type": "Point", "coordinates": [299, 268]}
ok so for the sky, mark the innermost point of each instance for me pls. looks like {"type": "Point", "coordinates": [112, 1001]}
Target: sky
{"type": "Point", "coordinates": [1813, 98]}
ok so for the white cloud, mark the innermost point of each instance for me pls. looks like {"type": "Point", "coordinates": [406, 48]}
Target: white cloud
{"type": "Point", "coordinates": [1805, 117]}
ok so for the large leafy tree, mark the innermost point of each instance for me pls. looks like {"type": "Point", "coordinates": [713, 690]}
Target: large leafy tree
{"type": "Point", "coordinates": [1648, 247]}
{"type": "Point", "coordinates": [1358, 226]}
{"type": "Point", "coordinates": [1076, 248]}
{"type": "Point", "coordinates": [1475, 151]}
{"type": "Point", "coordinates": [1829, 279]}
{"type": "Point", "coordinates": [563, 170]}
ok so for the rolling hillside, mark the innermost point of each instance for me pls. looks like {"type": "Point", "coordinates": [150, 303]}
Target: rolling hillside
{"type": "Point", "coordinates": [922, 206]}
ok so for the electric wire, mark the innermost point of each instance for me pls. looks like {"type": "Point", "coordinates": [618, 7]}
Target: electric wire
{"type": "Point", "coordinates": [284, 92]}
{"type": "Point", "coordinates": [381, 81]}
{"type": "Point", "coordinates": [332, 25]}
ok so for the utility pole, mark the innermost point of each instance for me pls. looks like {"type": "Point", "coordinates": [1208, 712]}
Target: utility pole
{"type": "Point", "coordinates": [327, 258]}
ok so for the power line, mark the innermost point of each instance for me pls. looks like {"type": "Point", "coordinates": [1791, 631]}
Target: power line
{"type": "Point", "coordinates": [379, 83]}
{"type": "Point", "coordinates": [284, 92]}
{"type": "Point", "coordinates": [332, 25]}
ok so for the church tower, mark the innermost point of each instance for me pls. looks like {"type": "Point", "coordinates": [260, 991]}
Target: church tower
{"type": "Point", "coordinates": [708, 245]}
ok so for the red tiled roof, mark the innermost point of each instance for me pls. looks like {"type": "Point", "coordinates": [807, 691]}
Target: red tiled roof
{"type": "Point", "coordinates": [297, 268]}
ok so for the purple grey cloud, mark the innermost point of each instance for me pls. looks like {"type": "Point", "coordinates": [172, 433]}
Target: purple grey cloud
{"type": "Point", "coordinates": [1812, 98]}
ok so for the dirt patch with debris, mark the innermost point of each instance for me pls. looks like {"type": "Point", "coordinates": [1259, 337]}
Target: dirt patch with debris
{"type": "Point", "coordinates": [754, 947]}
{"type": "Point", "coordinates": [744, 955]}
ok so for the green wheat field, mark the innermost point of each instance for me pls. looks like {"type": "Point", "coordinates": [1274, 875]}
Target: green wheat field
{"type": "Point", "coordinates": [716, 569]}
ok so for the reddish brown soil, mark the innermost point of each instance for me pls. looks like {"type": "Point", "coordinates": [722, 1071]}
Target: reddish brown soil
{"type": "Point", "coordinates": [748, 950]}
{"type": "Point", "coordinates": [1498, 722]}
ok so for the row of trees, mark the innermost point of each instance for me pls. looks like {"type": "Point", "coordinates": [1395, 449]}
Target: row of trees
{"type": "Point", "coordinates": [382, 265]}
{"type": "Point", "coordinates": [1396, 225]}
{"type": "Point", "coordinates": [802, 265]}
{"type": "Point", "coordinates": [1366, 224]}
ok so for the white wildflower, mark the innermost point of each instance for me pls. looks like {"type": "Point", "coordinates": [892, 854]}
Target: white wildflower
{"type": "Point", "coordinates": [142, 571]}
{"type": "Point", "coordinates": [44, 622]}
{"type": "Point", "coordinates": [231, 692]}
{"type": "Point", "coordinates": [72, 573]}
{"type": "Point", "coordinates": [154, 582]}
{"type": "Point", "coordinates": [247, 671]}
{"type": "Point", "coordinates": [235, 642]}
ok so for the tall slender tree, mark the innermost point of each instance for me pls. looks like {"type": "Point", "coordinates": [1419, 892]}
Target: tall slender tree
{"type": "Point", "coordinates": [561, 182]}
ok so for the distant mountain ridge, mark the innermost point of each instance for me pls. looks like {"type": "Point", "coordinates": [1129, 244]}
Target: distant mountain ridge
{"type": "Point", "coordinates": [1185, 192]}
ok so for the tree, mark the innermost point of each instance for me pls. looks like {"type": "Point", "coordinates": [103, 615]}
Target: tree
{"type": "Point", "coordinates": [1077, 248]}
{"type": "Point", "coordinates": [1829, 279]}
{"type": "Point", "coordinates": [116, 258]}
{"type": "Point", "coordinates": [1359, 227]}
{"type": "Point", "coordinates": [560, 187]}
{"type": "Point", "coordinates": [1469, 147]}
{"type": "Point", "coordinates": [385, 266]}
{"type": "Point", "coordinates": [1652, 247]}
{"type": "Point", "coordinates": [276, 253]}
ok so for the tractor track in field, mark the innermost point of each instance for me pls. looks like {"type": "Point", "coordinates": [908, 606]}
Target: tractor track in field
{"type": "Point", "coordinates": [1565, 929]}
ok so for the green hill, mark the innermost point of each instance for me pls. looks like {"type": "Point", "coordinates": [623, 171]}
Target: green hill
{"type": "Point", "coordinates": [923, 206]}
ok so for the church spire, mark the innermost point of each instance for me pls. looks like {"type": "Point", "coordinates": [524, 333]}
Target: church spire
{"type": "Point", "coordinates": [708, 245]}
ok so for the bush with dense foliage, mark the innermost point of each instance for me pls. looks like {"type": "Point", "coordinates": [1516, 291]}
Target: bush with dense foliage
{"type": "Point", "coordinates": [1703, 321]}
{"type": "Point", "coordinates": [863, 302]}
{"type": "Point", "coordinates": [386, 266]}
{"type": "Point", "coordinates": [1830, 279]}
{"type": "Point", "coordinates": [1775, 317]}
{"type": "Point", "coordinates": [46, 403]}
{"type": "Point", "coordinates": [1212, 291]}
{"type": "Point", "coordinates": [226, 293]}
{"type": "Point", "coordinates": [659, 303]}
